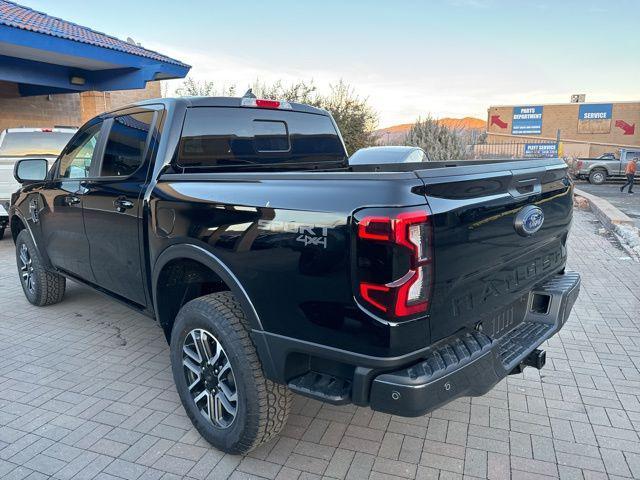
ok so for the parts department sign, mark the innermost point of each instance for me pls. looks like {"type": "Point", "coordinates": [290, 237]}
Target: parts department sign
{"type": "Point", "coordinates": [595, 118]}
{"type": "Point", "coordinates": [527, 120]}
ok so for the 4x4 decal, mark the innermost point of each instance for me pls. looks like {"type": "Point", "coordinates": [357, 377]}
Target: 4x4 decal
{"type": "Point", "coordinates": [308, 233]}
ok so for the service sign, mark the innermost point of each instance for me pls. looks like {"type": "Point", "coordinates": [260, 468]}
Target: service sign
{"type": "Point", "coordinates": [541, 150]}
{"type": "Point", "coordinates": [527, 120]}
{"type": "Point", "coordinates": [594, 118]}
{"type": "Point", "coordinates": [595, 112]}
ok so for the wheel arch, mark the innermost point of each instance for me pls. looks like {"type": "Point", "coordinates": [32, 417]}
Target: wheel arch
{"type": "Point", "coordinates": [17, 225]}
{"type": "Point", "coordinates": [176, 254]}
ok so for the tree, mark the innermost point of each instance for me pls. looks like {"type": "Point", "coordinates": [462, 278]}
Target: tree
{"type": "Point", "coordinates": [202, 88]}
{"type": "Point", "coordinates": [354, 116]}
{"type": "Point", "coordinates": [299, 92]}
{"type": "Point", "coordinates": [439, 142]}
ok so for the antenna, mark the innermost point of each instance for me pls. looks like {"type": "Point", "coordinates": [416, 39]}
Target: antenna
{"type": "Point", "coordinates": [249, 94]}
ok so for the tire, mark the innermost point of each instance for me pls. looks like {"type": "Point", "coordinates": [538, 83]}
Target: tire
{"type": "Point", "coordinates": [261, 406]}
{"type": "Point", "coordinates": [40, 286]}
{"type": "Point", "coordinates": [598, 177]}
{"type": "Point", "coordinates": [2, 232]}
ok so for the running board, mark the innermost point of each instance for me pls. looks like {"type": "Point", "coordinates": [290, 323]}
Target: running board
{"type": "Point", "coordinates": [323, 387]}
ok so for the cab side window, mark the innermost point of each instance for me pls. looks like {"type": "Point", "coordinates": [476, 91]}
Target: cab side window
{"type": "Point", "coordinates": [126, 145]}
{"type": "Point", "coordinates": [76, 161]}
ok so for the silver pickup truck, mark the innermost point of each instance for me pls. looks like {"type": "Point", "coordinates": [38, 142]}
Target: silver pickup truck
{"type": "Point", "coordinates": [19, 143]}
{"type": "Point", "coordinates": [606, 166]}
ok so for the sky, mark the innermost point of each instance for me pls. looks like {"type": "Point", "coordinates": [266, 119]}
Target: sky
{"type": "Point", "coordinates": [449, 58]}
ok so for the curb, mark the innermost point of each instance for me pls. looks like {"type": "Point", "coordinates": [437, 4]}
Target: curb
{"type": "Point", "coordinates": [622, 226]}
{"type": "Point", "coordinates": [609, 215]}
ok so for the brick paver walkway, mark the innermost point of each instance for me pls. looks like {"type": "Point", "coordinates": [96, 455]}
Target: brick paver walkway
{"type": "Point", "coordinates": [86, 392]}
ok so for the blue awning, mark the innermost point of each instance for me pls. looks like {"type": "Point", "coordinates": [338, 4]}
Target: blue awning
{"type": "Point", "coordinates": [44, 54]}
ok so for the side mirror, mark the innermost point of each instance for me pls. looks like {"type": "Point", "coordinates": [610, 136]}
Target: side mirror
{"type": "Point", "coordinates": [30, 170]}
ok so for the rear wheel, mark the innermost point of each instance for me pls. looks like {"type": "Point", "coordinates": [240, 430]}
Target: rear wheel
{"type": "Point", "coordinates": [40, 286]}
{"type": "Point", "coordinates": [219, 376]}
{"type": "Point", "coordinates": [598, 177]}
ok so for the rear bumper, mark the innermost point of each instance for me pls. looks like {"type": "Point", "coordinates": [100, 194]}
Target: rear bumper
{"type": "Point", "coordinates": [470, 363]}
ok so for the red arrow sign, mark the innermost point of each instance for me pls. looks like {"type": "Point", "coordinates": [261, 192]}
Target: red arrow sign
{"type": "Point", "coordinates": [625, 127]}
{"type": "Point", "coordinates": [495, 120]}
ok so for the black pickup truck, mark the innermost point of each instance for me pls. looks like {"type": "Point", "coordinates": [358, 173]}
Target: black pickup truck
{"type": "Point", "coordinates": [273, 266]}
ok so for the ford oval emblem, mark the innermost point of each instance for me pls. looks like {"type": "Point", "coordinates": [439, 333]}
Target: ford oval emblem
{"type": "Point", "coordinates": [528, 220]}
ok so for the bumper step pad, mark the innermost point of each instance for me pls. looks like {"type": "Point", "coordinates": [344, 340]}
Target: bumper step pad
{"type": "Point", "coordinates": [323, 387]}
{"type": "Point", "coordinates": [470, 362]}
{"type": "Point", "coordinates": [449, 356]}
{"type": "Point", "coordinates": [519, 340]}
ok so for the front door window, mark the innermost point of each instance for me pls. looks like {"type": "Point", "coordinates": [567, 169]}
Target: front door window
{"type": "Point", "coordinates": [78, 157]}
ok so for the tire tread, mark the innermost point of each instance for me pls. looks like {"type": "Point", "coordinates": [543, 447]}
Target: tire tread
{"type": "Point", "coordinates": [50, 285]}
{"type": "Point", "coordinates": [274, 400]}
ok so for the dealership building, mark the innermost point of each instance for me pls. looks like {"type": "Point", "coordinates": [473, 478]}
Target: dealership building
{"type": "Point", "coordinates": [57, 73]}
{"type": "Point", "coordinates": [585, 129]}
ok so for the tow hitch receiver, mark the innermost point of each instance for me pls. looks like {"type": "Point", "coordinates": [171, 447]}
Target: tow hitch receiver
{"type": "Point", "coordinates": [535, 359]}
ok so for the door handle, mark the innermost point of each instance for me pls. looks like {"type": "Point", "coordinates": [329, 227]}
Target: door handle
{"type": "Point", "coordinates": [524, 187]}
{"type": "Point", "coordinates": [122, 204]}
{"type": "Point", "coordinates": [71, 200]}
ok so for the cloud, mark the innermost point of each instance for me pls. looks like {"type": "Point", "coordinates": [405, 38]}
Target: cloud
{"type": "Point", "coordinates": [396, 98]}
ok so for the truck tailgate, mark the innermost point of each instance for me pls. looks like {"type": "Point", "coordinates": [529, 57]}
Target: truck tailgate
{"type": "Point", "coordinates": [484, 268]}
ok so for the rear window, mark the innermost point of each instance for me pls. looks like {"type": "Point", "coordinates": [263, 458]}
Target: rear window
{"type": "Point", "coordinates": [22, 144]}
{"type": "Point", "coordinates": [233, 137]}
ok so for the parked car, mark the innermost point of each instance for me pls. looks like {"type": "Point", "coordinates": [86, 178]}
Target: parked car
{"type": "Point", "coordinates": [605, 167]}
{"type": "Point", "coordinates": [273, 266]}
{"type": "Point", "coordinates": [19, 143]}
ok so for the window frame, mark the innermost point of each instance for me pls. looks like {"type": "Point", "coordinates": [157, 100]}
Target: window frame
{"type": "Point", "coordinates": [286, 135]}
{"type": "Point", "coordinates": [145, 152]}
{"type": "Point", "coordinates": [98, 154]}
{"type": "Point", "coordinates": [56, 174]}
{"type": "Point", "coordinates": [178, 167]}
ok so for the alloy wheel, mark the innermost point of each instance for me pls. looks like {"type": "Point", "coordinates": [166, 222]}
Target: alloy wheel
{"type": "Point", "coordinates": [26, 269]}
{"type": "Point", "coordinates": [210, 378]}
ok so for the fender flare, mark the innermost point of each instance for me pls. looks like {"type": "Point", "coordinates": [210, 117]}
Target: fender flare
{"type": "Point", "coordinates": [15, 212]}
{"type": "Point", "coordinates": [208, 259]}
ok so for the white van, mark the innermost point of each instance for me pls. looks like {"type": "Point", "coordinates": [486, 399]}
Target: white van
{"type": "Point", "coordinates": [19, 143]}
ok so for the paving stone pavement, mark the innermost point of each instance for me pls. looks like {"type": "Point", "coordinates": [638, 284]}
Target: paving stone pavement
{"type": "Point", "coordinates": [86, 392]}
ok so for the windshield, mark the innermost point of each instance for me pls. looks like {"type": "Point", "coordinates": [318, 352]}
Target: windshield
{"type": "Point", "coordinates": [22, 144]}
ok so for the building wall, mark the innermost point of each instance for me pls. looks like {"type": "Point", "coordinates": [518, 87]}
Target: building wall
{"type": "Point", "coordinates": [69, 109]}
{"type": "Point", "coordinates": [564, 117]}
{"type": "Point", "coordinates": [41, 111]}
{"type": "Point", "coordinates": [120, 98]}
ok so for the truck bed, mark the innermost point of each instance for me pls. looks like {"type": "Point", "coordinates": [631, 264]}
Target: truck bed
{"type": "Point", "coordinates": [473, 205]}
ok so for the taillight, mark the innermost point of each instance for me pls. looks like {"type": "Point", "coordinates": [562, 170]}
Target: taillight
{"type": "Point", "coordinates": [263, 103]}
{"type": "Point", "coordinates": [395, 262]}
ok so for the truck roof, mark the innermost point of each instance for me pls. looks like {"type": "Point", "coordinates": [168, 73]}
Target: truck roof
{"type": "Point", "coordinates": [218, 102]}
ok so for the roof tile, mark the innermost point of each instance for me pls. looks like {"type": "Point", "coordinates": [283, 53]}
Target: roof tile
{"type": "Point", "coordinates": [18, 16]}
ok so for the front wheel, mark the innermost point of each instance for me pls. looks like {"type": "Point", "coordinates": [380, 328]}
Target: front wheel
{"type": "Point", "coordinates": [597, 177]}
{"type": "Point", "coordinates": [219, 376]}
{"type": "Point", "coordinates": [40, 286]}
